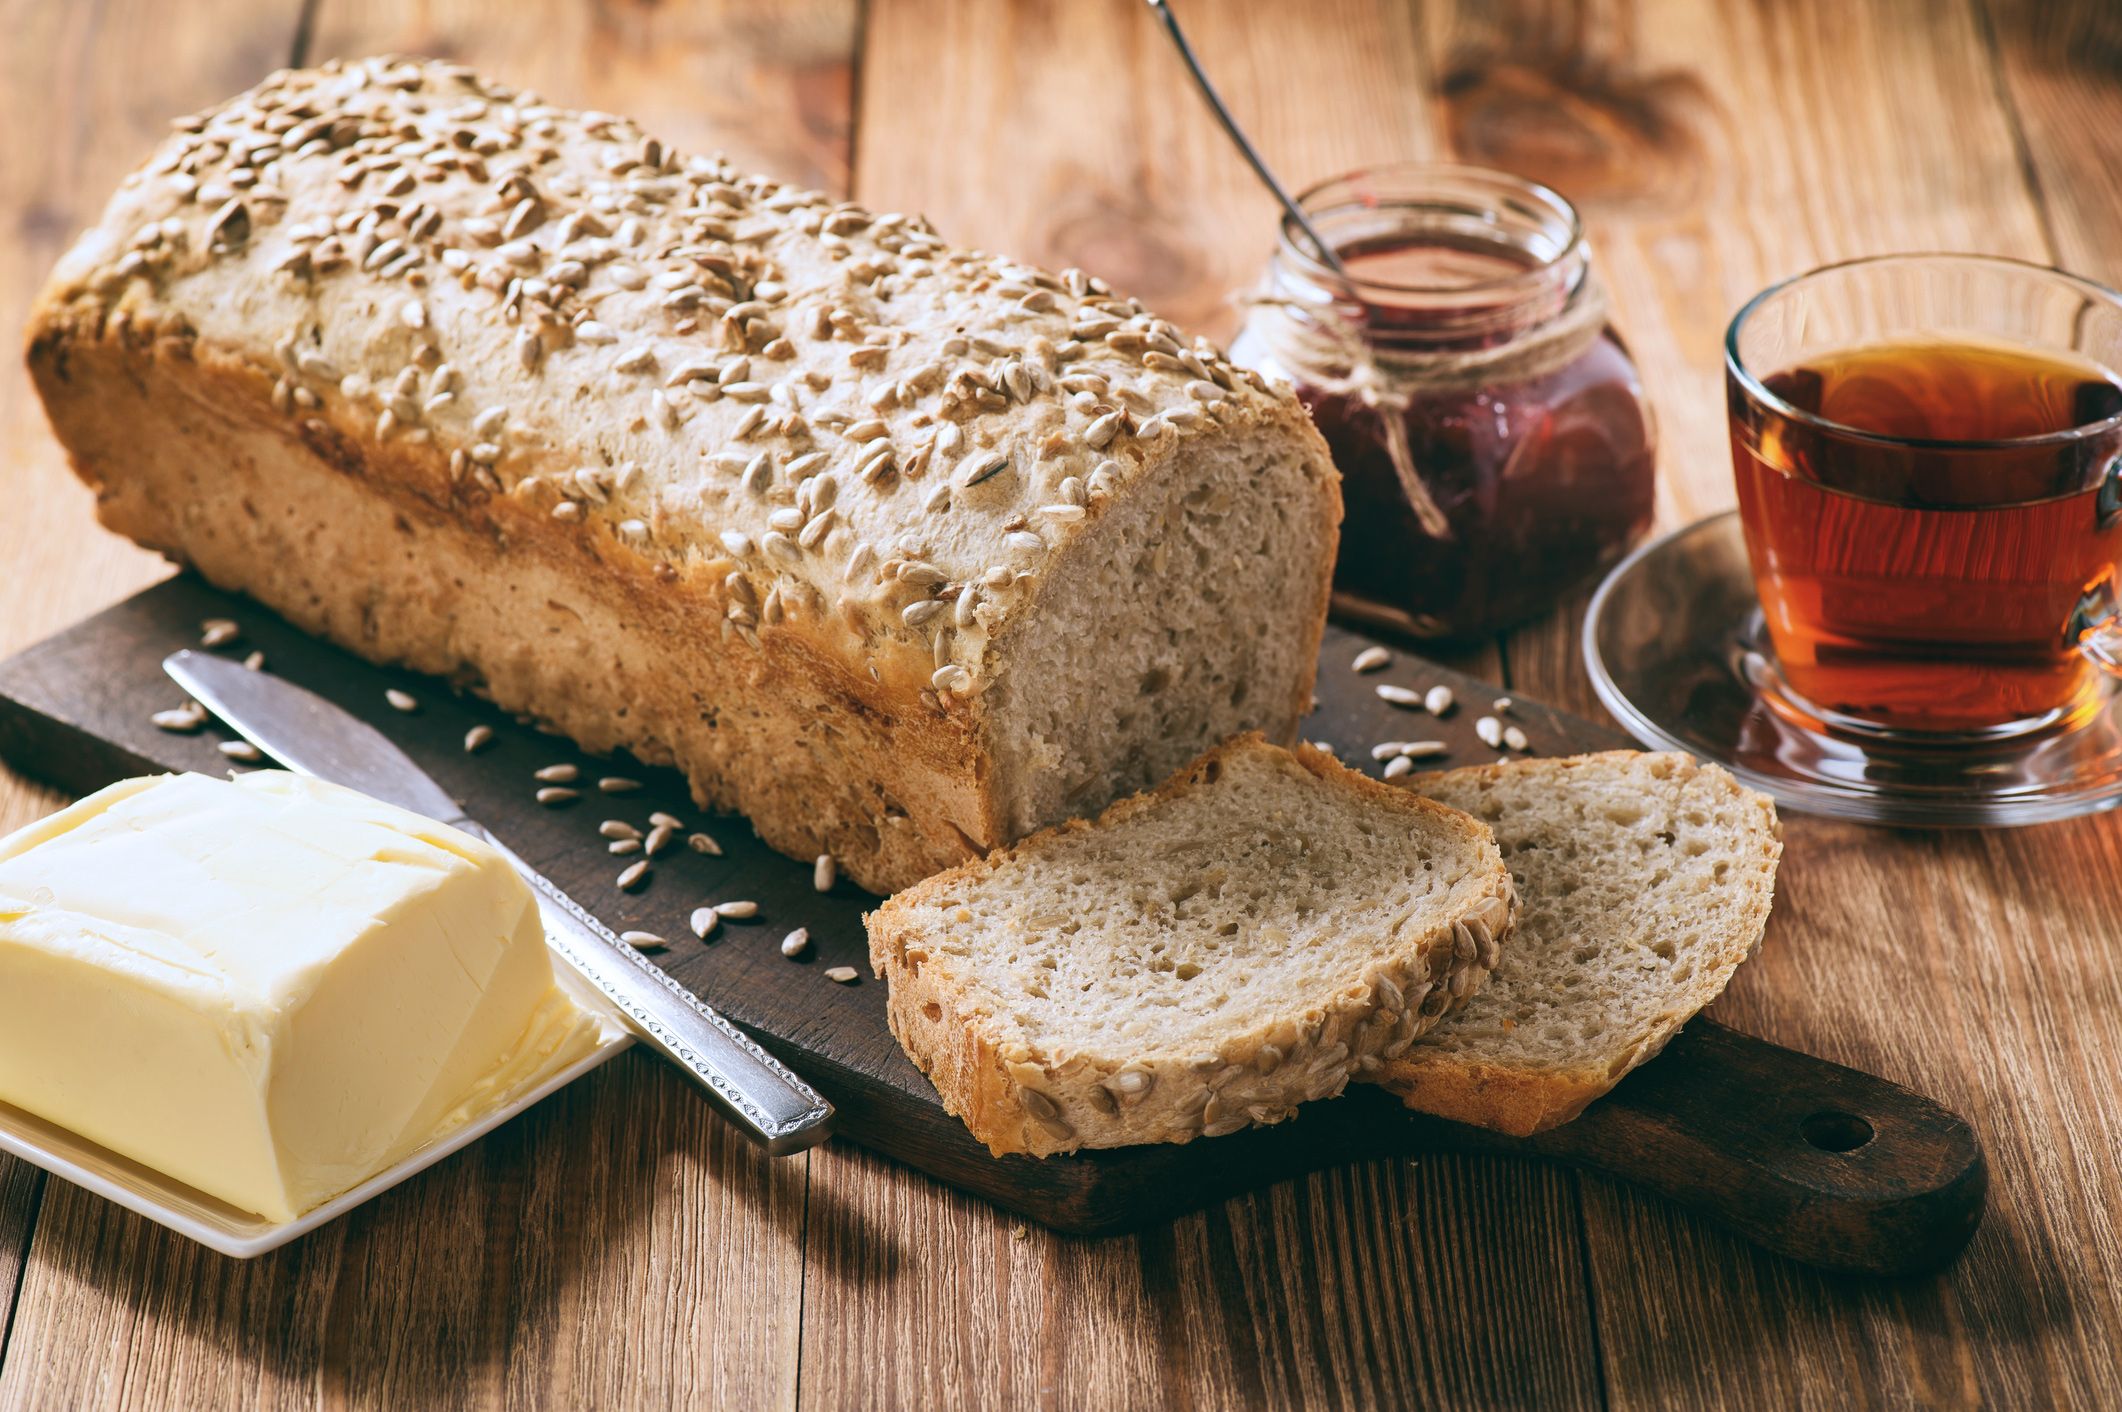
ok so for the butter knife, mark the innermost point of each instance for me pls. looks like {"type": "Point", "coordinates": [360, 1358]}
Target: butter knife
{"type": "Point", "coordinates": [311, 736]}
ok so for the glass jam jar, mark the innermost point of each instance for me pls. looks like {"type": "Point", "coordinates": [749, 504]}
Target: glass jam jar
{"type": "Point", "coordinates": [1495, 445]}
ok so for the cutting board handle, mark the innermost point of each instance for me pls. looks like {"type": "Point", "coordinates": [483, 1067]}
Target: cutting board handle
{"type": "Point", "coordinates": [1824, 1164]}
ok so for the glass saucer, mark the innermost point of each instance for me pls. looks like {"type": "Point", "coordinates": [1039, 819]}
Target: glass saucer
{"type": "Point", "coordinates": [1677, 651]}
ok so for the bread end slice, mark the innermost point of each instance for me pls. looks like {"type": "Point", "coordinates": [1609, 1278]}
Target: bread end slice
{"type": "Point", "coordinates": [1199, 959]}
{"type": "Point", "coordinates": [1644, 881]}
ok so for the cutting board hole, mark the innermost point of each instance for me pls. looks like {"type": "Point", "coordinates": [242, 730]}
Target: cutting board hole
{"type": "Point", "coordinates": [1836, 1132]}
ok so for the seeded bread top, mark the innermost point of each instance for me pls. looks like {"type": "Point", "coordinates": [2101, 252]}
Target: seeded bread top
{"type": "Point", "coordinates": [821, 410]}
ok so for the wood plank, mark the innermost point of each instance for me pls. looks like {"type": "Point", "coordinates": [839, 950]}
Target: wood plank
{"type": "Point", "coordinates": [1089, 149]}
{"type": "Point", "coordinates": [502, 1277]}
{"type": "Point", "coordinates": [771, 85]}
{"type": "Point", "coordinates": [1378, 1284]}
{"type": "Point", "coordinates": [506, 1276]}
{"type": "Point", "coordinates": [2059, 68]}
{"type": "Point", "coordinates": [1731, 147]}
{"type": "Point", "coordinates": [88, 89]}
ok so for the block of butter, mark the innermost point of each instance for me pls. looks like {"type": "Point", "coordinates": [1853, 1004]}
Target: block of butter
{"type": "Point", "coordinates": [271, 988]}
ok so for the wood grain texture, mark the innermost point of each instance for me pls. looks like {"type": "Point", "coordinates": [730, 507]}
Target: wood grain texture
{"type": "Point", "coordinates": [768, 84]}
{"type": "Point", "coordinates": [88, 90]}
{"type": "Point", "coordinates": [1969, 966]}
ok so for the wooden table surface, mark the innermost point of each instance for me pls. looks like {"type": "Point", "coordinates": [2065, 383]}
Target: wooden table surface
{"type": "Point", "coordinates": [620, 1247]}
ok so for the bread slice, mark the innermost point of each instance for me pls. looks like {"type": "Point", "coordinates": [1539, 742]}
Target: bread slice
{"type": "Point", "coordinates": [1644, 880]}
{"type": "Point", "coordinates": [1201, 958]}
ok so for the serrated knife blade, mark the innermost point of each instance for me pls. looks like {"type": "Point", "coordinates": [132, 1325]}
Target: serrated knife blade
{"type": "Point", "coordinates": [312, 736]}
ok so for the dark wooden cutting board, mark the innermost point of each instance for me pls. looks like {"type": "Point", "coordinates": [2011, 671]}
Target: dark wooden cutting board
{"type": "Point", "coordinates": [1821, 1162]}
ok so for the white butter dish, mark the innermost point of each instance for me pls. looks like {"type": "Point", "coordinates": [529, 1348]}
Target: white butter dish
{"type": "Point", "coordinates": [243, 1234]}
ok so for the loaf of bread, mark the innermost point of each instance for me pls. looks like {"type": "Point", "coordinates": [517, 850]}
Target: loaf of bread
{"type": "Point", "coordinates": [1200, 959]}
{"type": "Point", "coordinates": [1644, 882]}
{"type": "Point", "coordinates": [900, 549]}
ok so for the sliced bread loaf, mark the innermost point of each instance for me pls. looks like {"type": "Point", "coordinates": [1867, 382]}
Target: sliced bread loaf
{"type": "Point", "coordinates": [1200, 958]}
{"type": "Point", "coordinates": [1644, 880]}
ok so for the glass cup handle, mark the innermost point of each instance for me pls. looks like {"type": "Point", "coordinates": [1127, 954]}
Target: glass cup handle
{"type": "Point", "coordinates": [2100, 637]}
{"type": "Point", "coordinates": [2096, 624]}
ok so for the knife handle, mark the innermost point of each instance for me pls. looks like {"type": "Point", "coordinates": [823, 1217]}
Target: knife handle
{"type": "Point", "coordinates": [769, 1103]}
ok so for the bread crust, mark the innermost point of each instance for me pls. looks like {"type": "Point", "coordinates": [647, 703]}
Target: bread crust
{"type": "Point", "coordinates": [1018, 1100]}
{"type": "Point", "coordinates": [1522, 1101]}
{"type": "Point", "coordinates": [440, 324]}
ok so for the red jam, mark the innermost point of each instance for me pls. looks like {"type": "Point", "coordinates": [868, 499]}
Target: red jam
{"type": "Point", "coordinates": [1538, 471]}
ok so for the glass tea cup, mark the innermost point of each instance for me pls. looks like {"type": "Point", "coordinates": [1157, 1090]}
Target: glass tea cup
{"type": "Point", "coordinates": [1928, 451]}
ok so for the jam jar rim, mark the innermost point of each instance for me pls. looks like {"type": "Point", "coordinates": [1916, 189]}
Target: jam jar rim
{"type": "Point", "coordinates": [1572, 245]}
{"type": "Point", "coordinates": [1735, 364]}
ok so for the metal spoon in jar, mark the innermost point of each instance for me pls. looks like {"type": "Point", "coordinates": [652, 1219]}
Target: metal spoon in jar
{"type": "Point", "coordinates": [1245, 147]}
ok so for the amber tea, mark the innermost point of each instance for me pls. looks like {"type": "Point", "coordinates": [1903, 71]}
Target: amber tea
{"type": "Point", "coordinates": [1922, 565]}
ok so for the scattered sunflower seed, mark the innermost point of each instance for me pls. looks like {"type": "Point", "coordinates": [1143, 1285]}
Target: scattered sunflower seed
{"type": "Point", "coordinates": [242, 750]}
{"type": "Point", "coordinates": [618, 784]}
{"type": "Point", "coordinates": [667, 821]}
{"type": "Point", "coordinates": [255, 662]}
{"type": "Point", "coordinates": [181, 720]}
{"type": "Point", "coordinates": [1399, 696]}
{"type": "Point", "coordinates": [1424, 749]}
{"type": "Point", "coordinates": [843, 974]}
{"type": "Point", "coordinates": [1438, 700]}
{"type": "Point", "coordinates": [1372, 659]}
{"type": "Point", "coordinates": [703, 843]}
{"type": "Point", "coordinates": [659, 839]}
{"type": "Point", "coordinates": [401, 701]}
{"type": "Point", "coordinates": [1398, 766]}
{"type": "Point", "coordinates": [634, 875]}
{"type": "Point", "coordinates": [477, 739]}
{"type": "Point", "coordinates": [705, 920]}
{"type": "Point", "coordinates": [737, 911]}
{"type": "Point", "coordinates": [824, 873]}
{"type": "Point", "coordinates": [557, 774]}
{"type": "Point", "coordinates": [1502, 705]}
{"type": "Point", "coordinates": [555, 795]}
{"type": "Point", "coordinates": [218, 632]}
{"type": "Point", "coordinates": [618, 828]}
{"type": "Point", "coordinates": [1490, 730]}
{"type": "Point", "coordinates": [643, 941]}
{"type": "Point", "coordinates": [623, 847]}
{"type": "Point", "coordinates": [796, 942]}
{"type": "Point", "coordinates": [1516, 739]}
